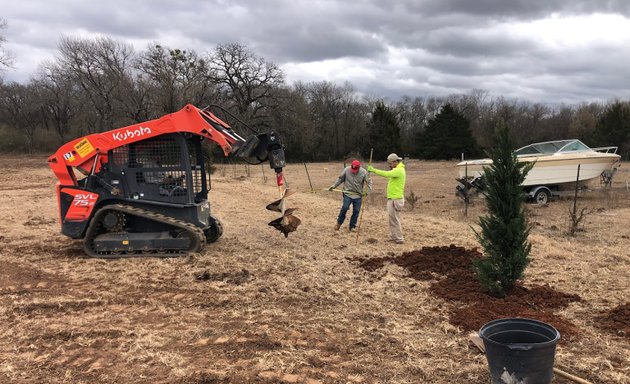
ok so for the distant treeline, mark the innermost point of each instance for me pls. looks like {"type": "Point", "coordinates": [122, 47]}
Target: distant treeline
{"type": "Point", "coordinates": [97, 84]}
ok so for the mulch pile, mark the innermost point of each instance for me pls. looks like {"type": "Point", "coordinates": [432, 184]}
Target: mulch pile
{"type": "Point", "coordinates": [617, 321]}
{"type": "Point", "coordinates": [450, 270]}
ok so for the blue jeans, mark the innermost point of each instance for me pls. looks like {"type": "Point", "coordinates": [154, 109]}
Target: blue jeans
{"type": "Point", "coordinates": [356, 207]}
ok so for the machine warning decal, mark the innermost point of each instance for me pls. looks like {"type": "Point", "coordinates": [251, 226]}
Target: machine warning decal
{"type": "Point", "coordinates": [83, 148]}
{"type": "Point", "coordinates": [68, 156]}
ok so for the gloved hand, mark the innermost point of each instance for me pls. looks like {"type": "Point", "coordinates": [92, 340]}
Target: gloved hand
{"type": "Point", "coordinates": [331, 189]}
{"type": "Point", "coordinates": [370, 168]}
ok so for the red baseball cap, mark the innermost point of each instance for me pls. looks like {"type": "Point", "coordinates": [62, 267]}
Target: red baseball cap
{"type": "Point", "coordinates": [354, 167]}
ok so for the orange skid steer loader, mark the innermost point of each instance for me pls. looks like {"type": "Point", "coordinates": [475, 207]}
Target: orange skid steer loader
{"type": "Point", "coordinates": [142, 190]}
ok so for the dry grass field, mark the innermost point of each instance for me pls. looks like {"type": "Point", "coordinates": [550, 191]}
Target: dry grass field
{"type": "Point", "coordinates": [317, 307]}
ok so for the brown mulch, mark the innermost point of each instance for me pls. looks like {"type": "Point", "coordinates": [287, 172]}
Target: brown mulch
{"type": "Point", "coordinates": [450, 270]}
{"type": "Point", "coordinates": [617, 321]}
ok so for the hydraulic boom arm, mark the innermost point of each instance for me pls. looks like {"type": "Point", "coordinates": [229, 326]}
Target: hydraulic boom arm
{"type": "Point", "coordinates": [89, 153]}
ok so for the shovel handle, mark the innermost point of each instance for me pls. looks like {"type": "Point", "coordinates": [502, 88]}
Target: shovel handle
{"type": "Point", "coordinates": [569, 376]}
{"type": "Point", "coordinates": [364, 203]}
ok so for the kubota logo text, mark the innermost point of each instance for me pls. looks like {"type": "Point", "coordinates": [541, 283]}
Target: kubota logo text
{"type": "Point", "coordinates": [131, 133]}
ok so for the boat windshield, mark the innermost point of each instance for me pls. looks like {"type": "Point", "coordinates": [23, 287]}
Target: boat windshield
{"type": "Point", "coordinates": [550, 147]}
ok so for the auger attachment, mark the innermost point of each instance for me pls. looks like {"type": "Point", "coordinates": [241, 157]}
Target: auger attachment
{"type": "Point", "coordinates": [286, 223]}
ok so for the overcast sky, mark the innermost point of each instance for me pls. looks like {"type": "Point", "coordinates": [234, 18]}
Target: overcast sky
{"type": "Point", "coordinates": [548, 51]}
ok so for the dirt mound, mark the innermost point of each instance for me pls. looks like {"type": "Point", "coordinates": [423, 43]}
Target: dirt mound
{"type": "Point", "coordinates": [427, 263]}
{"type": "Point", "coordinates": [236, 278]}
{"type": "Point", "coordinates": [450, 268]}
{"type": "Point", "coordinates": [617, 321]}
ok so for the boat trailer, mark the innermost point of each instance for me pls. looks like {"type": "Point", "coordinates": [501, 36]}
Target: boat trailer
{"type": "Point", "coordinates": [469, 187]}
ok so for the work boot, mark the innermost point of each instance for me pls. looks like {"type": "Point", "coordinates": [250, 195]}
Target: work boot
{"type": "Point", "coordinates": [353, 229]}
{"type": "Point", "coordinates": [337, 226]}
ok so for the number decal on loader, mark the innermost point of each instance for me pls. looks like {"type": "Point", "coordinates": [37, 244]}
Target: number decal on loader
{"type": "Point", "coordinates": [68, 156]}
{"type": "Point", "coordinates": [82, 205]}
{"type": "Point", "coordinates": [84, 199]}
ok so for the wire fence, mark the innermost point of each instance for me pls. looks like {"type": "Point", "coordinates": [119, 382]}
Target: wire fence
{"type": "Point", "coordinates": [426, 180]}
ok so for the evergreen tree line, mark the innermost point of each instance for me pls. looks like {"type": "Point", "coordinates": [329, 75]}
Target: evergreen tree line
{"type": "Point", "coordinates": [96, 84]}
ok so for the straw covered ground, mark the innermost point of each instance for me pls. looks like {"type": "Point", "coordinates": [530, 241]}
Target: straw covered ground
{"type": "Point", "coordinates": [321, 306]}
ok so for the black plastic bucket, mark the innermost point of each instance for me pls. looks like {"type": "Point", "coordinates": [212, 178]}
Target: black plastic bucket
{"type": "Point", "coordinates": [519, 350]}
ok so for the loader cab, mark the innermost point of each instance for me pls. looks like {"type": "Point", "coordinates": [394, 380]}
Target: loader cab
{"type": "Point", "coordinates": [168, 168]}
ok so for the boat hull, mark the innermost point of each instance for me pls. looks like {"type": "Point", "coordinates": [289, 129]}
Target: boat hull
{"type": "Point", "coordinates": [552, 170]}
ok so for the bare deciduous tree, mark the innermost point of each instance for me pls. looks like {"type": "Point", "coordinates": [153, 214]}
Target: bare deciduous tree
{"type": "Point", "coordinates": [175, 78]}
{"type": "Point", "coordinates": [584, 121]}
{"type": "Point", "coordinates": [102, 68]}
{"type": "Point", "coordinates": [335, 114]}
{"type": "Point", "coordinates": [246, 81]}
{"type": "Point", "coordinates": [19, 102]}
{"type": "Point", "coordinates": [58, 97]}
{"type": "Point", "coordinates": [6, 58]}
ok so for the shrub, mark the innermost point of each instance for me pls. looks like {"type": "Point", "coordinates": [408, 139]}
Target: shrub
{"type": "Point", "coordinates": [411, 199]}
{"type": "Point", "coordinates": [504, 230]}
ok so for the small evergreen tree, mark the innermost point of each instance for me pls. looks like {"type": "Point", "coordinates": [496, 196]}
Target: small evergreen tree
{"type": "Point", "coordinates": [447, 136]}
{"type": "Point", "coordinates": [504, 230]}
{"type": "Point", "coordinates": [383, 132]}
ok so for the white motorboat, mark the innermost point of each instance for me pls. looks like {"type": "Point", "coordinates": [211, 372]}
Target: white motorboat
{"type": "Point", "coordinates": [555, 163]}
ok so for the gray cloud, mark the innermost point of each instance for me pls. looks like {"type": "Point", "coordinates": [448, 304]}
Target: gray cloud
{"type": "Point", "coordinates": [522, 9]}
{"type": "Point", "coordinates": [390, 49]}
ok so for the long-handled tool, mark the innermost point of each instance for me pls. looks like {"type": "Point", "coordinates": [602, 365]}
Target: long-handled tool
{"type": "Point", "coordinates": [340, 190]}
{"type": "Point", "coordinates": [363, 202]}
{"type": "Point", "coordinates": [309, 177]}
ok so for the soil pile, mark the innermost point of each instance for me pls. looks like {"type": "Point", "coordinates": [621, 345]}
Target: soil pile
{"type": "Point", "coordinates": [617, 321]}
{"type": "Point", "coordinates": [450, 270]}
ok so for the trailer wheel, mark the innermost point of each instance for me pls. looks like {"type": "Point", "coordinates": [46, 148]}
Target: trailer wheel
{"type": "Point", "coordinates": [542, 196]}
